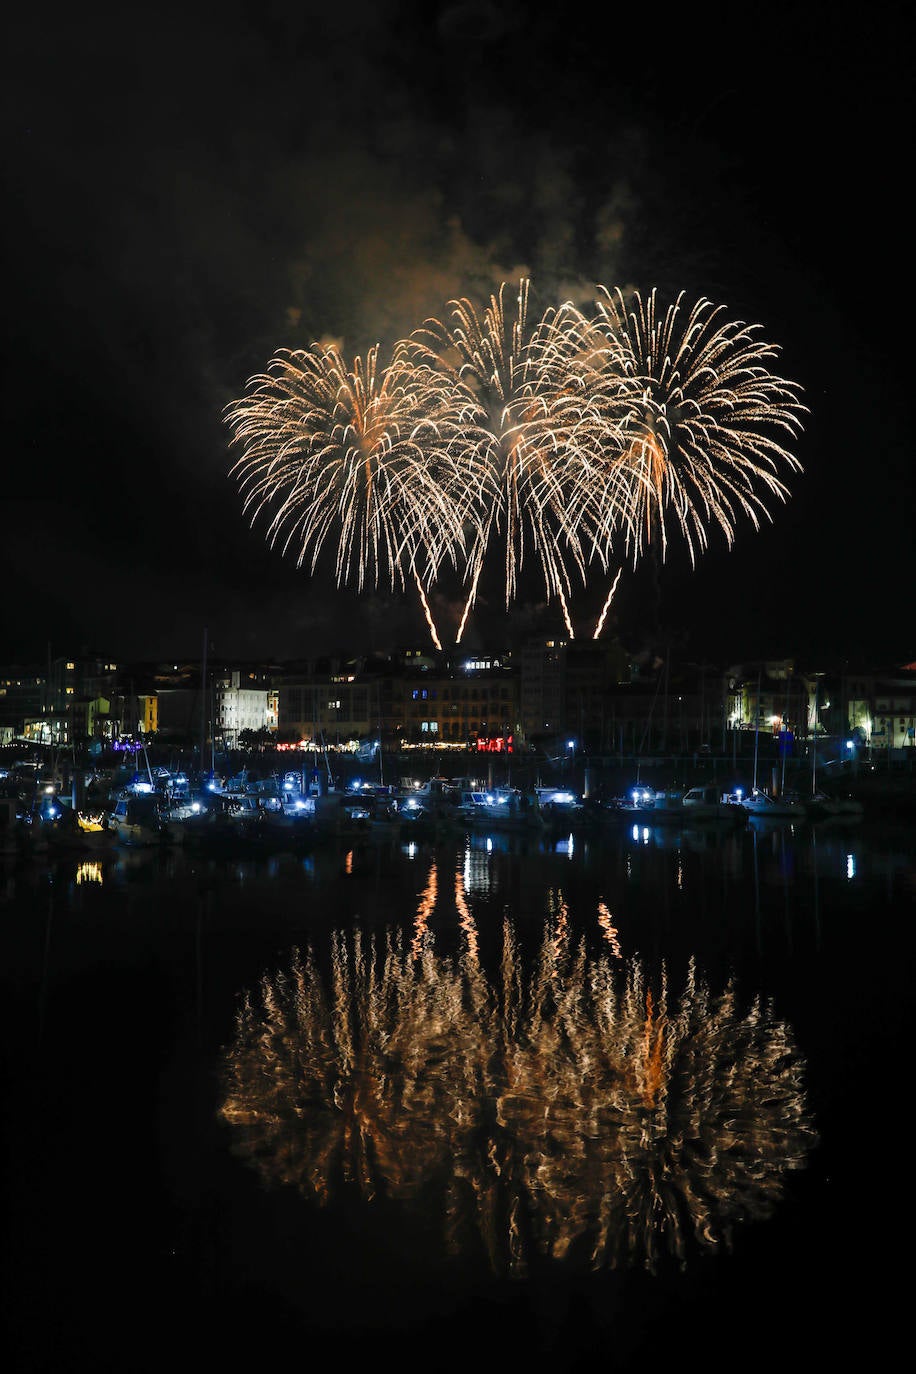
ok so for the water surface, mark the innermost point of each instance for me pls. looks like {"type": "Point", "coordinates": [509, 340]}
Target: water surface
{"type": "Point", "coordinates": [636, 1095]}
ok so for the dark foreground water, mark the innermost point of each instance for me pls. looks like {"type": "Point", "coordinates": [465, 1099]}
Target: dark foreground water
{"type": "Point", "coordinates": [461, 1102]}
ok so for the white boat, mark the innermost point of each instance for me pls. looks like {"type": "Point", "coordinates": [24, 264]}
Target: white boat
{"type": "Point", "coordinates": [140, 820]}
{"type": "Point", "coordinates": [560, 806]}
{"type": "Point", "coordinates": [319, 811]}
{"type": "Point", "coordinates": [667, 804]}
{"type": "Point", "coordinates": [432, 801]}
{"type": "Point", "coordinates": [637, 804]}
{"type": "Point", "coordinates": [675, 806]}
{"type": "Point", "coordinates": [505, 808]}
{"type": "Point", "coordinates": [286, 811]}
{"type": "Point", "coordinates": [233, 819]}
{"type": "Point", "coordinates": [413, 809]}
{"type": "Point", "coordinates": [825, 805]}
{"type": "Point", "coordinates": [708, 803]}
{"type": "Point", "coordinates": [244, 810]}
{"type": "Point", "coordinates": [183, 808]}
{"type": "Point", "coordinates": [759, 805]}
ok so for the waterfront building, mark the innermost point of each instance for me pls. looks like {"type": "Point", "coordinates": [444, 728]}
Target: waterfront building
{"type": "Point", "coordinates": [328, 700]}
{"type": "Point", "coordinates": [239, 704]}
{"type": "Point", "coordinates": [565, 686]}
{"type": "Point", "coordinates": [23, 695]}
{"type": "Point", "coordinates": [409, 700]}
{"type": "Point", "coordinates": [584, 698]}
{"type": "Point", "coordinates": [771, 698]}
{"type": "Point", "coordinates": [871, 712]}
{"type": "Point", "coordinates": [593, 696]}
{"type": "Point", "coordinates": [67, 687]}
{"type": "Point", "coordinates": [468, 701]}
{"type": "Point", "coordinates": [192, 703]}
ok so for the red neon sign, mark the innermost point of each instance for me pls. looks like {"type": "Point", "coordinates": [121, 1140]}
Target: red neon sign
{"type": "Point", "coordinates": [501, 744]}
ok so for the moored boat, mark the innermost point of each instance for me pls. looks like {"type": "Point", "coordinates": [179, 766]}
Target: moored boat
{"type": "Point", "coordinates": [140, 820]}
{"type": "Point", "coordinates": [708, 803]}
{"type": "Point", "coordinates": [561, 807]}
{"type": "Point", "coordinates": [759, 805]}
{"type": "Point", "coordinates": [666, 804]}
{"type": "Point", "coordinates": [823, 806]}
{"type": "Point", "coordinates": [505, 808]}
{"type": "Point", "coordinates": [638, 804]}
{"type": "Point", "coordinates": [432, 802]}
{"type": "Point", "coordinates": [81, 831]}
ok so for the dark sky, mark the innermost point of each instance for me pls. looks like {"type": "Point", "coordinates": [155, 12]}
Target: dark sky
{"type": "Point", "coordinates": [191, 190]}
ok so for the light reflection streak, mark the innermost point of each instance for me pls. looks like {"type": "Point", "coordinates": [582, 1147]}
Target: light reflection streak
{"type": "Point", "coordinates": [567, 1106]}
{"type": "Point", "coordinates": [424, 911]}
{"type": "Point", "coordinates": [611, 933]}
{"type": "Point", "coordinates": [476, 869]}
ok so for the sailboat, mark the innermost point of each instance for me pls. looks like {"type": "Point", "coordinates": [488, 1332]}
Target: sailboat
{"type": "Point", "coordinates": [823, 805]}
{"type": "Point", "coordinates": [758, 804]}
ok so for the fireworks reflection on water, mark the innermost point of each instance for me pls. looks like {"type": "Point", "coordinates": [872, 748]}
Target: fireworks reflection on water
{"type": "Point", "coordinates": [587, 1089]}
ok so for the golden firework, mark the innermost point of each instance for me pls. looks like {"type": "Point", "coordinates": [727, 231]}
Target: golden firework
{"type": "Point", "coordinates": [572, 436]}
{"type": "Point", "coordinates": [701, 419]}
{"type": "Point", "coordinates": [353, 452]}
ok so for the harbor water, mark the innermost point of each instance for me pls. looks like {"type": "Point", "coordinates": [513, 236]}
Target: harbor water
{"type": "Point", "coordinates": [573, 1101]}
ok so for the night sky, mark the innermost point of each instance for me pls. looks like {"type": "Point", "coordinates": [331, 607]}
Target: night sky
{"type": "Point", "coordinates": [192, 189]}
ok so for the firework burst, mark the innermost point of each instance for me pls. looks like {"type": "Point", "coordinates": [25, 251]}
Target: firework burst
{"type": "Point", "coordinates": [516, 405]}
{"type": "Point", "coordinates": [354, 451]}
{"type": "Point", "coordinates": [582, 438]}
{"type": "Point", "coordinates": [700, 421]}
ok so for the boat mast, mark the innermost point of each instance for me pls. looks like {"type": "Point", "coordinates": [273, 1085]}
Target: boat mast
{"type": "Point", "coordinates": [783, 741]}
{"type": "Point", "coordinates": [203, 704]}
{"type": "Point", "coordinates": [757, 729]}
{"type": "Point", "coordinates": [381, 760]}
{"type": "Point", "coordinates": [814, 742]}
